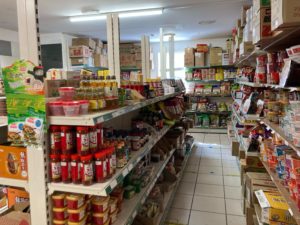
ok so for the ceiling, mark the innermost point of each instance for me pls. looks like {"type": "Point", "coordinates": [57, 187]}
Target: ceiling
{"type": "Point", "coordinates": [181, 17]}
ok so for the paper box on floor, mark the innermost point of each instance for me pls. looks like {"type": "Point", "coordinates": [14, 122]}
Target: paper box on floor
{"type": "Point", "coordinates": [235, 148]}
{"type": "Point", "coordinates": [254, 161]}
{"type": "Point", "coordinates": [285, 13]}
{"type": "Point", "coordinates": [273, 207]}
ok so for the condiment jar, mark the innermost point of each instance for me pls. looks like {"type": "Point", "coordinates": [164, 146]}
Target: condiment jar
{"type": "Point", "coordinates": [99, 135]}
{"type": "Point", "coordinates": [93, 139]}
{"type": "Point", "coordinates": [59, 200]}
{"type": "Point", "coordinates": [55, 168]}
{"type": "Point", "coordinates": [108, 162]}
{"type": "Point", "coordinates": [135, 143]}
{"type": "Point", "coordinates": [82, 137]}
{"type": "Point", "coordinates": [100, 167]}
{"type": "Point", "coordinates": [75, 169]}
{"type": "Point", "coordinates": [65, 168]}
{"type": "Point", "coordinates": [87, 172]}
{"type": "Point", "coordinates": [55, 140]}
{"type": "Point", "coordinates": [67, 140]}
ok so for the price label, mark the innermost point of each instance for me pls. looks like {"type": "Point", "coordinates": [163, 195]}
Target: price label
{"type": "Point", "coordinates": [130, 167]}
{"type": "Point", "coordinates": [291, 212]}
{"type": "Point", "coordinates": [113, 184]}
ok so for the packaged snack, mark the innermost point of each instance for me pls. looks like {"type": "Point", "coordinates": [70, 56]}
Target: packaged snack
{"type": "Point", "coordinates": [32, 130]}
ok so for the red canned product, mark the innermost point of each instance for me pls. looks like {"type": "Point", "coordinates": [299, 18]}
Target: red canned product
{"type": "Point", "coordinates": [83, 140]}
{"type": "Point", "coordinates": [87, 170]}
{"type": "Point", "coordinates": [66, 168]}
{"type": "Point", "coordinates": [75, 169]}
{"type": "Point", "coordinates": [76, 215]}
{"type": "Point", "coordinates": [60, 213]}
{"type": "Point", "coordinates": [108, 154]}
{"type": "Point", "coordinates": [55, 139]}
{"type": "Point", "coordinates": [75, 201]}
{"type": "Point", "coordinates": [67, 140]}
{"type": "Point", "coordinates": [93, 139]}
{"type": "Point", "coordinates": [59, 200]}
{"type": "Point", "coordinates": [55, 168]}
{"type": "Point", "coordinates": [100, 167]}
{"type": "Point", "coordinates": [100, 204]}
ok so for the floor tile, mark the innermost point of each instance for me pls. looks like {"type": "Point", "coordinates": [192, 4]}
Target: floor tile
{"type": "Point", "coordinates": [228, 157]}
{"type": "Point", "coordinates": [210, 156]}
{"type": "Point", "coordinates": [211, 162]}
{"type": "Point", "coordinates": [213, 170]}
{"type": "Point", "coordinates": [232, 181]}
{"type": "Point", "coordinates": [205, 218]}
{"type": "Point", "coordinates": [182, 201]}
{"type": "Point", "coordinates": [178, 216]}
{"type": "Point", "coordinates": [234, 207]}
{"type": "Point", "coordinates": [193, 160]}
{"type": "Point", "coordinates": [189, 177]}
{"type": "Point", "coordinates": [210, 179]}
{"type": "Point", "coordinates": [229, 171]}
{"type": "Point", "coordinates": [229, 163]}
{"type": "Point", "coordinates": [191, 168]}
{"type": "Point", "coordinates": [209, 190]}
{"type": "Point", "coordinates": [208, 204]}
{"type": "Point", "coordinates": [226, 146]}
{"type": "Point", "coordinates": [236, 220]}
{"type": "Point", "coordinates": [233, 192]}
{"type": "Point", "coordinates": [186, 188]}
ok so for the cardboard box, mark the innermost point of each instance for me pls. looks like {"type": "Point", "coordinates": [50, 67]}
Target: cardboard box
{"type": "Point", "coordinates": [273, 207]}
{"type": "Point", "coordinates": [249, 212]}
{"type": "Point", "coordinates": [88, 42]}
{"type": "Point", "coordinates": [246, 48]}
{"type": "Point", "coordinates": [189, 57]}
{"type": "Point", "coordinates": [258, 4]}
{"type": "Point", "coordinates": [235, 145]}
{"type": "Point", "coordinates": [243, 14]}
{"type": "Point", "coordinates": [199, 59]}
{"type": "Point", "coordinates": [18, 214]}
{"type": "Point", "coordinates": [79, 51]}
{"type": "Point", "coordinates": [13, 162]}
{"type": "Point", "coordinates": [285, 13]}
{"type": "Point", "coordinates": [261, 25]}
{"type": "Point", "coordinates": [98, 42]}
{"type": "Point", "coordinates": [254, 161]}
{"type": "Point", "coordinates": [15, 195]}
{"type": "Point", "coordinates": [81, 61]}
{"type": "Point", "coordinates": [215, 56]}
{"type": "Point", "coordinates": [226, 59]}
{"type": "Point", "coordinates": [242, 153]}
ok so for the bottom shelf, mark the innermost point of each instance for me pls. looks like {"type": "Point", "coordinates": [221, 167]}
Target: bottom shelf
{"type": "Point", "coordinates": [285, 193]}
{"type": "Point", "coordinates": [198, 129]}
{"type": "Point", "coordinates": [169, 197]}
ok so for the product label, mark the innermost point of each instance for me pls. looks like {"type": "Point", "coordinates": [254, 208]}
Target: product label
{"type": "Point", "coordinates": [55, 140]}
{"type": "Point", "coordinates": [55, 170]}
{"type": "Point", "coordinates": [104, 169]}
{"type": "Point", "coordinates": [88, 172]}
{"type": "Point", "coordinates": [84, 142]}
{"type": "Point", "coordinates": [93, 140]}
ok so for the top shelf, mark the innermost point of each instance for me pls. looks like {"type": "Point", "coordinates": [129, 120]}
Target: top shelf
{"type": "Point", "coordinates": [275, 86]}
{"type": "Point", "coordinates": [128, 69]}
{"type": "Point", "coordinates": [209, 67]}
{"type": "Point", "coordinates": [100, 117]}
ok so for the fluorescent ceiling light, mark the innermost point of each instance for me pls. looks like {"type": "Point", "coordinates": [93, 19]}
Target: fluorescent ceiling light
{"type": "Point", "coordinates": [124, 14]}
{"type": "Point", "coordinates": [140, 13]}
{"type": "Point", "coordinates": [87, 18]}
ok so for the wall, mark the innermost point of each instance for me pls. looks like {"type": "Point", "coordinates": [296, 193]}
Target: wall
{"type": "Point", "coordinates": [11, 36]}
{"type": "Point", "coordinates": [179, 48]}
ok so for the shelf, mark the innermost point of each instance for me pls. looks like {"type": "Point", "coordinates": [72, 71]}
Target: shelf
{"type": "Point", "coordinates": [3, 121]}
{"type": "Point", "coordinates": [275, 86]}
{"type": "Point", "coordinates": [14, 183]}
{"type": "Point", "coordinates": [215, 113]}
{"type": "Point", "coordinates": [284, 192]}
{"type": "Point", "coordinates": [95, 68]}
{"type": "Point", "coordinates": [211, 81]}
{"type": "Point", "coordinates": [2, 97]}
{"type": "Point", "coordinates": [104, 189]}
{"type": "Point", "coordinates": [245, 59]}
{"type": "Point", "coordinates": [250, 84]}
{"type": "Point", "coordinates": [100, 117]}
{"type": "Point", "coordinates": [208, 67]}
{"type": "Point", "coordinates": [131, 207]}
{"type": "Point", "coordinates": [211, 95]}
{"type": "Point", "coordinates": [281, 133]}
{"type": "Point", "coordinates": [248, 121]}
{"type": "Point", "coordinates": [169, 197]}
{"type": "Point", "coordinates": [128, 69]}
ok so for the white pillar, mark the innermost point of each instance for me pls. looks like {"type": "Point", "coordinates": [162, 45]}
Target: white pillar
{"type": "Point", "coordinates": [148, 66]}
{"type": "Point", "coordinates": [116, 47]}
{"type": "Point", "coordinates": [144, 57]}
{"type": "Point", "coordinates": [171, 56]}
{"type": "Point", "coordinates": [110, 43]}
{"type": "Point", "coordinates": [162, 55]}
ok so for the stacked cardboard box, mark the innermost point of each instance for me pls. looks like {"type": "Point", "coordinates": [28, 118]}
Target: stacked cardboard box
{"type": "Point", "coordinates": [215, 56]}
{"type": "Point", "coordinates": [131, 55]}
{"type": "Point", "coordinates": [88, 52]}
{"type": "Point", "coordinates": [262, 22]}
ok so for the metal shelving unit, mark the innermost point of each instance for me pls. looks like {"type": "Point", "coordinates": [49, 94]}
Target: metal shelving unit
{"type": "Point", "coordinates": [209, 67]}
{"type": "Point", "coordinates": [14, 183]}
{"type": "Point", "coordinates": [104, 189]}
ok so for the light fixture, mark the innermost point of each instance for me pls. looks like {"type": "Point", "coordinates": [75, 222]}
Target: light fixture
{"type": "Point", "coordinates": [87, 18]}
{"type": "Point", "coordinates": [140, 13]}
{"type": "Point", "coordinates": [122, 14]}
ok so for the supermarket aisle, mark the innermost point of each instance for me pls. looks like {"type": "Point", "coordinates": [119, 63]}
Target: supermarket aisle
{"type": "Point", "coordinates": [210, 191]}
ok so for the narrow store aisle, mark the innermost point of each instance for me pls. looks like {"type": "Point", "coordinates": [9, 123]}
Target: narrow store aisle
{"type": "Point", "coordinates": [210, 191]}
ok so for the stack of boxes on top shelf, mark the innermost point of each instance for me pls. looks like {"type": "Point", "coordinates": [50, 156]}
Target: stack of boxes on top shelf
{"type": "Point", "coordinates": [203, 55]}
{"type": "Point", "coordinates": [131, 55]}
{"type": "Point", "coordinates": [88, 52]}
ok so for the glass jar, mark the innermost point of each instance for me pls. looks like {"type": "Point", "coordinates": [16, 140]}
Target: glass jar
{"type": "Point", "coordinates": [67, 140]}
{"type": "Point", "coordinates": [65, 168]}
{"type": "Point", "coordinates": [55, 140]}
{"type": "Point", "coordinates": [82, 140]}
{"type": "Point", "coordinates": [55, 168]}
{"type": "Point", "coordinates": [108, 162]}
{"type": "Point", "coordinates": [100, 167]}
{"type": "Point", "coordinates": [87, 170]}
{"type": "Point", "coordinates": [75, 169]}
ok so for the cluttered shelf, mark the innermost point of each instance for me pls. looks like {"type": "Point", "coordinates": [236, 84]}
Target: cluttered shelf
{"type": "Point", "coordinates": [132, 207]}
{"type": "Point", "coordinates": [209, 112]}
{"type": "Point", "coordinates": [208, 67]}
{"type": "Point", "coordinates": [103, 189]}
{"type": "Point", "coordinates": [281, 133]}
{"type": "Point", "coordinates": [284, 192]}
{"type": "Point", "coordinates": [211, 81]}
{"type": "Point", "coordinates": [245, 120]}
{"type": "Point", "coordinates": [100, 117]}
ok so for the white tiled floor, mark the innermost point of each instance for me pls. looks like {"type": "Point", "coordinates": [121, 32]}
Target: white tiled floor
{"type": "Point", "coordinates": [210, 191]}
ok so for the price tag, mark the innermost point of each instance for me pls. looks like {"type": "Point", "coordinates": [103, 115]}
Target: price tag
{"type": "Point", "coordinates": [130, 167]}
{"type": "Point", "coordinates": [113, 184]}
{"type": "Point", "coordinates": [100, 120]}
{"type": "Point", "coordinates": [291, 212]}
{"type": "Point", "coordinates": [286, 143]}
{"type": "Point", "coordinates": [107, 117]}
{"type": "Point", "coordinates": [118, 113]}
{"type": "Point", "coordinates": [125, 172]}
